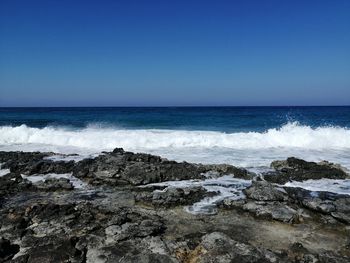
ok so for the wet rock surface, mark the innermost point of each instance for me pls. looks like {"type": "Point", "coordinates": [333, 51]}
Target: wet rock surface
{"type": "Point", "coordinates": [300, 170]}
{"type": "Point", "coordinates": [7, 250]}
{"type": "Point", "coordinates": [126, 168]}
{"type": "Point", "coordinates": [218, 247]}
{"type": "Point", "coordinates": [12, 183]}
{"type": "Point", "coordinates": [264, 191]}
{"type": "Point", "coordinates": [118, 218]}
{"type": "Point", "coordinates": [54, 184]}
{"type": "Point", "coordinates": [338, 206]}
{"type": "Point", "coordinates": [33, 163]}
{"type": "Point", "coordinates": [172, 196]}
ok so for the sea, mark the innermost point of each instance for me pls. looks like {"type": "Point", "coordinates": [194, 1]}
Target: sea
{"type": "Point", "coordinates": [249, 137]}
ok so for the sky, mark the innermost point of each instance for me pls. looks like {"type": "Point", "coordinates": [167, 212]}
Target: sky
{"type": "Point", "coordinates": [174, 53]}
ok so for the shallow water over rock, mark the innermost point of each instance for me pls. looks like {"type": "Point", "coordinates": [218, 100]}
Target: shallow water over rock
{"type": "Point", "coordinates": [77, 183]}
{"type": "Point", "coordinates": [223, 187]}
{"type": "Point", "coordinates": [323, 185]}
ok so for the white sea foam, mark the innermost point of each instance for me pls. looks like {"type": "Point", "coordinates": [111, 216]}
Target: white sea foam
{"type": "Point", "coordinates": [68, 158]}
{"type": "Point", "coordinates": [78, 184]}
{"type": "Point", "coordinates": [224, 187]}
{"type": "Point", "coordinates": [324, 185]}
{"type": "Point", "coordinates": [3, 171]}
{"type": "Point", "coordinates": [248, 149]}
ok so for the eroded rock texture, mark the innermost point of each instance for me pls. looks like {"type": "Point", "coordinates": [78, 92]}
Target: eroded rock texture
{"type": "Point", "coordinates": [113, 219]}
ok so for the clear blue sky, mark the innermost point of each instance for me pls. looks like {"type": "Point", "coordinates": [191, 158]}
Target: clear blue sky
{"type": "Point", "coordinates": [160, 53]}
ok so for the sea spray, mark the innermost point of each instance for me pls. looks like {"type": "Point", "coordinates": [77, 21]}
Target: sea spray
{"type": "Point", "coordinates": [248, 149]}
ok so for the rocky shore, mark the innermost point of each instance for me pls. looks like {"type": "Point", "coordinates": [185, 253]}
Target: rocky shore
{"type": "Point", "coordinates": [133, 207]}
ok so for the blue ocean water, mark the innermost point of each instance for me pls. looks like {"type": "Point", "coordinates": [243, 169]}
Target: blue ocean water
{"type": "Point", "coordinates": [251, 137]}
{"type": "Point", "coordinates": [224, 119]}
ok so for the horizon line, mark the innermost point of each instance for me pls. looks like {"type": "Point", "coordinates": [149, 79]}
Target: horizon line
{"type": "Point", "coordinates": [182, 106]}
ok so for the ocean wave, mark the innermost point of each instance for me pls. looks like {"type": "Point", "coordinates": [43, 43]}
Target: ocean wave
{"type": "Point", "coordinates": [289, 135]}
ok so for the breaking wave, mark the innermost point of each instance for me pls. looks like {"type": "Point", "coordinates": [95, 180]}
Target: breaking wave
{"type": "Point", "coordinates": [252, 150]}
{"type": "Point", "coordinates": [289, 135]}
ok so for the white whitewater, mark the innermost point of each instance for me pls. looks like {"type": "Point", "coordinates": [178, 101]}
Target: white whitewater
{"type": "Point", "coordinates": [324, 185]}
{"type": "Point", "coordinates": [246, 149]}
{"type": "Point", "coordinates": [3, 171]}
{"type": "Point", "coordinates": [77, 183]}
{"type": "Point", "coordinates": [223, 187]}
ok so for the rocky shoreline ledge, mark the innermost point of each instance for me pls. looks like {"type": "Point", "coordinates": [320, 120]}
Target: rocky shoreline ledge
{"type": "Point", "coordinates": [133, 207]}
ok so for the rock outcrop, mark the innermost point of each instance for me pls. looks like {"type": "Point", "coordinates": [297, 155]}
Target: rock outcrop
{"type": "Point", "coordinates": [120, 218]}
{"type": "Point", "coordinates": [171, 196]}
{"type": "Point", "coordinates": [294, 169]}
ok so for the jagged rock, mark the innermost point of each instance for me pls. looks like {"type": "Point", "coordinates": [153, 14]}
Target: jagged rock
{"type": "Point", "coordinates": [218, 247]}
{"type": "Point", "coordinates": [43, 167]}
{"type": "Point", "coordinates": [264, 191]}
{"type": "Point", "coordinates": [53, 184]}
{"type": "Point", "coordinates": [317, 204]}
{"type": "Point", "coordinates": [53, 219]}
{"type": "Point", "coordinates": [22, 157]}
{"type": "Point", "coordinates": [300, 170]}
{"type": "Point", "coordinates": [120, 168]}
{"type": "Point", "coordinates": [342, 211]}
{"type": "Point", "coordinates": [13, 183]}
{"type": "Point", "coordinates": [229, 203]}
{"type": "Point", "coordinates": [53, 249]}
{"type": "Point", "coordinates": [116, 168]}
{"type": "Point", "coordinates": [272, 210]}
{"type": "Point", "coordinates": [341, 216]}
{"type": "Point", "coordinates": [104, 223]}
{"type": "Point", "coordinates": [7, 250]}
{"type": "Point", "coordinates": [171, 196]}
{"type": "Point", "coordinates": [324, 202]}
{"type": "Point", "coordinates": [29, 163]}
{"type": "Point", "coordinates": [329, 257]}
{"type": "Point", "coordinates": [140, 228]}
{"type": "Point", "coordinates": [145, 250]}
{"type": "Point", "coordinates": [225, 169]}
